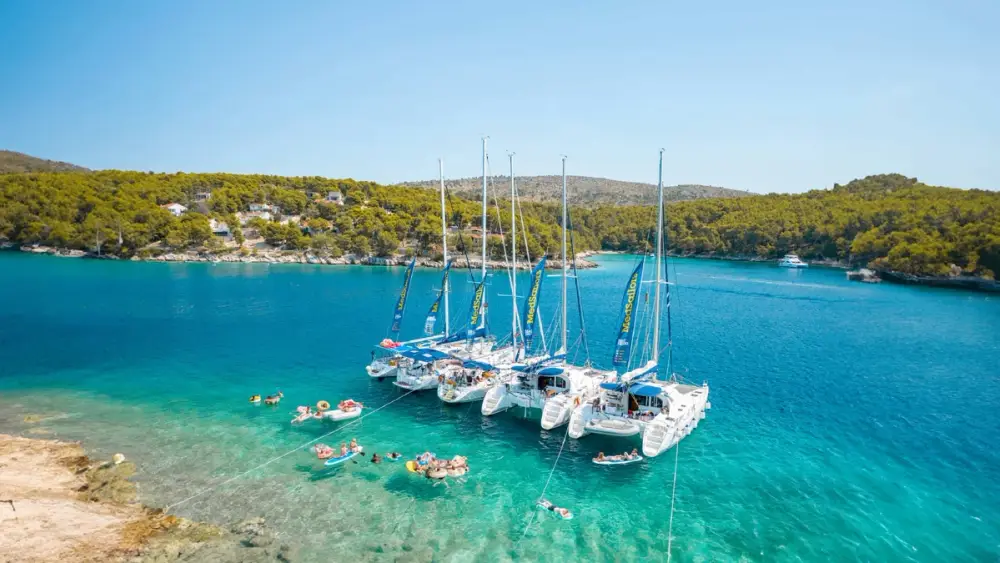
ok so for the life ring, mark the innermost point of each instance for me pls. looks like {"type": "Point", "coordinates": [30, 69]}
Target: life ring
{"type": "Point", "coordinates": [437, 473]}
{"type": "Point", "coordinates": [255, 398]}
{"type": "Point", "coordinates": [323, 405]}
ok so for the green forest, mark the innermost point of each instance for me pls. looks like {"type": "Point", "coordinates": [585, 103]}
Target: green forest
{"type": "Point", "coordinates": [889, 222]}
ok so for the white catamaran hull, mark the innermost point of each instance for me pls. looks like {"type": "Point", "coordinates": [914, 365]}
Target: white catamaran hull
{"type": "Point", "coordinates": [666, 431]}
{"type": "Point", "coordinates": [585, 420]}
{"type": "Point", "coordinates": [467, 394]}
{"type": "Point", "coordinates": [381, 370]}
{"type": "Point", "coordinates": [496, 400]}
{"type": "Point", "coordinates": [419, 383]}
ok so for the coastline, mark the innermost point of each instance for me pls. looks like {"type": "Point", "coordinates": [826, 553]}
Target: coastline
{"type": "Point", "coordinates": [968, 283]}
{"type": "Point", "coordinates": [298, 257]}
{"type": "Point", "coordinates": [59, 505]}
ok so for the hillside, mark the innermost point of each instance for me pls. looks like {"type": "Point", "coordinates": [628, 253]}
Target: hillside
{"type": "Point", "coordinates": [12, 162]}
{"type": "Point", "coordinates": [888, 222]}
{"type": "Point", "coordinates": [583, 190]}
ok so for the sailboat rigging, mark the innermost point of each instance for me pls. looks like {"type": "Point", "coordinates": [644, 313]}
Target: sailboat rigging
{"type": "Point", "coordinates": [638, 402]}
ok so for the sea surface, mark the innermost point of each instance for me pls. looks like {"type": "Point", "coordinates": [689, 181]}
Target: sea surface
{"type": "Point", "coordinates": [849, 422]}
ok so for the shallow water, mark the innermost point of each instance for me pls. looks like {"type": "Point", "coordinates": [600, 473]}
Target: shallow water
{"type": "Point", "coordinates": [849, 421]}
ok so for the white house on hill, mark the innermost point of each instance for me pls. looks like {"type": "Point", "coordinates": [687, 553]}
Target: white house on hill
{"type": "Point", "coordinates": [175, 208]}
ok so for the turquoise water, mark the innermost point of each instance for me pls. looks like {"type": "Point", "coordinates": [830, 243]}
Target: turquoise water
{"type": "Point", "coordinates": [849, 421]}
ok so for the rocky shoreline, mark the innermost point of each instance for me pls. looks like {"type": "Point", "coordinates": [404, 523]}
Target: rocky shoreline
{"type": "Point", "coordinates": [870, 276]}
{"type": "Point", "coordinates": [56, 504]}
{"type": "Point", "coordinates": [296, 257]}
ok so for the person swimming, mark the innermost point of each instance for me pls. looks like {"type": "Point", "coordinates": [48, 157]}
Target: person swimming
{"type": "Point", "coordinates": [376, 458]}
{"type": "Point", "coordinates": [393, 455]}
{"type": "Point", "coordinates": [563, 512]}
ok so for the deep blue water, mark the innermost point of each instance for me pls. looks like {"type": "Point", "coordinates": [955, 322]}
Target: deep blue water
{"type": "Point", "coordinates": [849, 421]}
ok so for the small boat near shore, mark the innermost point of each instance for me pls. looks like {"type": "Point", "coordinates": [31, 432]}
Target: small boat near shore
{"type": "Point", "coordinates": [792, 261]}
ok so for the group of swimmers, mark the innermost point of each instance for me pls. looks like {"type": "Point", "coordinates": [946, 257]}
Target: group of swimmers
{"type": "Point", "coordinates": [270, 400]}
{"type": "Point", "coordinates": [326, 452]}
{"type": "Point", "coordinates": [626, 456]}
{"type": "Point", "coordinates": [435, 468]}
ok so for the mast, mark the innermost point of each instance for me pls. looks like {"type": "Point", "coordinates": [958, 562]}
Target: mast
{"type": "Point", "coordinates": [483, 273]}
{"type": "Point", "coordinates": [513, 257]}
{"type": "Point", "coordinates": [659, 250]}
{"type": "Point", "coordinates": [564, 329]}
{"type": "Point", "coordinates": [444, 246]}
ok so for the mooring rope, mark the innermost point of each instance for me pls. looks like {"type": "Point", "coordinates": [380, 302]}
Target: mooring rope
{"type": "Point", "coordinates": [673, 495]}
{"type": "Point", "coordinates": [289, 452]}
{"type": "Point", "coordinates": [545, 488]}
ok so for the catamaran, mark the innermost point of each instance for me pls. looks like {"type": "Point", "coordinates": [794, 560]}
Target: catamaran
{"type": "Point", "coordinates": [387, 356]}
{"type": "Point", "coordinates": [470, 380]}
{"type": "Point", "coordinates": [638, 403]}
{"type": "Point", "coordinates": [473, 342]}
{"type": "Point", "coordinates": [547, 382]}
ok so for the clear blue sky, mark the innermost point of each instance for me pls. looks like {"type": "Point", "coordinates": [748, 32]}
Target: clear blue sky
{"type": "Point", "coordinates": [763, 95]}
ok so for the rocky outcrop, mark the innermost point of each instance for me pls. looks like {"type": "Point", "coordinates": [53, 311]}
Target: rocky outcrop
{"type": "Point", "coordinates": [59, 505]}
{"type": "Point", "coordinates": [956, 282]}
{"type": "Point", "coordinates": [863, 275]}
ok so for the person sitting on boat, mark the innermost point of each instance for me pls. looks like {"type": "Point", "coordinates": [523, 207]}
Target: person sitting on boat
{"type": "Point", "coordinates": [343, 448]}
{"type": "Point", "coordinates": [600, 456]}
{"type": "Point", "coordinates": [354, 444]}
{"type": "Point", "coordinates": [376, 458]}
{"type": "Point", "coordinates": [634, 454]}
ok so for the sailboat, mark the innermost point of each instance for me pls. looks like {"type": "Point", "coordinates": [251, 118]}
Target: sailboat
{"type": "Point", "coordinates": [547, 382]}
{"type": "Point", "coordinates": [387, 357]}
{"type": "Point", "coordinates": [638, 403]}
{"type": "Point", "coordinates": [472, 342]}
{"type": "Point", "coordinates": [470, 380]}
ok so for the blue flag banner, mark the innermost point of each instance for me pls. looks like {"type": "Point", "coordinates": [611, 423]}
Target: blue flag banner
{"type": "Point", "coordinates": [530, 314]}
{"type": "Point", "coordinates": [397, 317]}
{"type": "Point", "coordinates": [623, 344]}
{"type": "Point", "coordinates": [432, 315]}
{"type": "Point", "coordinates": [477, 308]}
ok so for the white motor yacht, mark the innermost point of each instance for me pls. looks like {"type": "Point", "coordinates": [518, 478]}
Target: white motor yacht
{"type": "Point", "coordinates": [792, 261]}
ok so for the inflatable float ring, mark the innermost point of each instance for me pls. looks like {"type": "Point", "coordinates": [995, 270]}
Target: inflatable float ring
{"type": "Point", "coordinates": [323, 405]}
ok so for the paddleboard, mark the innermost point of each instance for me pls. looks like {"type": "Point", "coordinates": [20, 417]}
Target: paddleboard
{"type": "Point", "coordinates": [618, 461]}
{"type": "Point", "coordinates": [341, 459]}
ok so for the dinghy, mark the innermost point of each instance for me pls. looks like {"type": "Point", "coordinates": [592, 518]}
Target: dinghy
{"type": "Point", "coordinates": [618, 460]}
